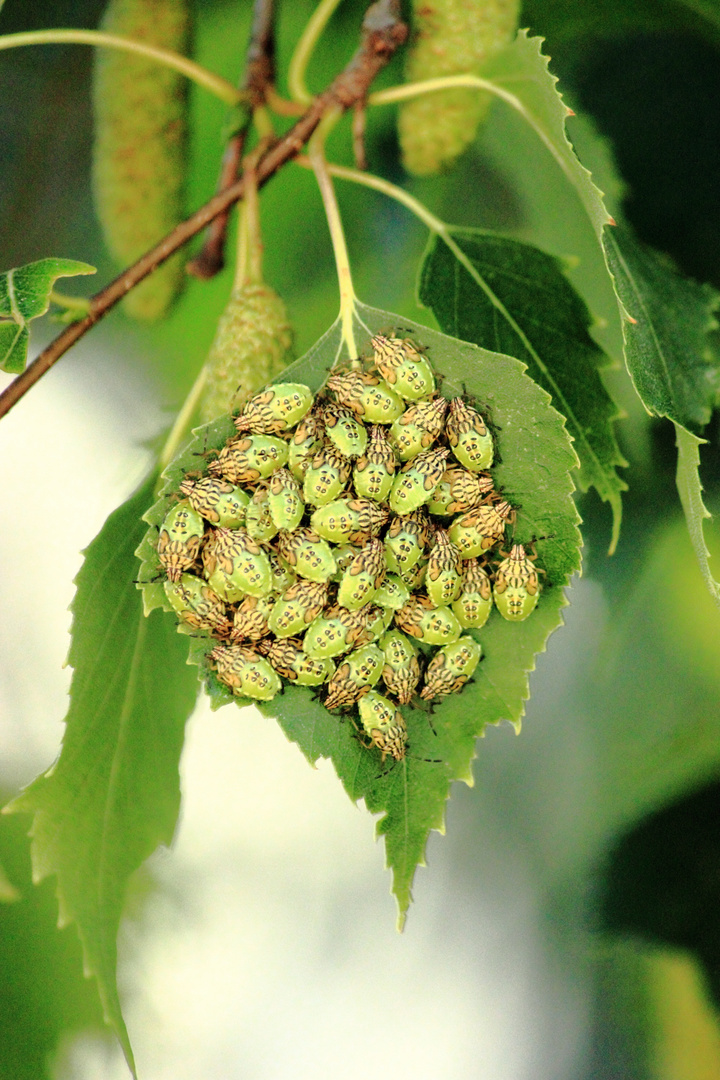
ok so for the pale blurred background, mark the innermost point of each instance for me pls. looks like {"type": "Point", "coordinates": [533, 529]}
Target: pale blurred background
{"type": "Point", "coordinates": [566, 926]}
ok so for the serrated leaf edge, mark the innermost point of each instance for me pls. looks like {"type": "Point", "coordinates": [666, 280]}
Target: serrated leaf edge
{"type": "Point", "coordinates": [609, 491]}
{"type": "Point", "coordinates": [220, 697]}
{"type": "Point", "coordinates": [690, 491]}
{"type": "Point", "coordinates": [579, 177]}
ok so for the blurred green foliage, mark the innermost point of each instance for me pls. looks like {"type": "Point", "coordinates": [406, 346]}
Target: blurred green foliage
{"type": "Point", "coordinates": [44, 996]}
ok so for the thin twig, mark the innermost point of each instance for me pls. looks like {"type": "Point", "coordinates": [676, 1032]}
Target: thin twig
{"type": "Point", "coordinates": [283, 106]}
{"type": "Point", "coordinates": [358, 134]}
{"type": "Point", "coordinates": [383, 33]}
{"type": "Point", "coordinates": [210, 260]}
{"type": "Point", "coordinates": [260, 67]}
{"type": "Point", "coordinates": [259, 74]}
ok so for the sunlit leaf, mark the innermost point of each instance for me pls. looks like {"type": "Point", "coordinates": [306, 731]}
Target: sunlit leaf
{"type": "Point", "coordinates": [25, 295]}
{"type": "Point", "coordinates": [534, 474]}
{"type": "Point", "coordinates": [520, 71]}
{"type": "Point", "coordinates": [512, 298]}
{"type": "Point", "coordinates": [113, 794]}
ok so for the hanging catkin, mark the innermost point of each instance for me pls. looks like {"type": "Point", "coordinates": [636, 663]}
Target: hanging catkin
{"type": "Point", "coordinates": [252, 345]}
{"type": "Point", "coordinates": [450, 36]}
{"type": "Point", "coordinates": [139, 157]}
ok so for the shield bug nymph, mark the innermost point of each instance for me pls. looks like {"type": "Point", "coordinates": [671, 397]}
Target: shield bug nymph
{"type": "Point", "coordinates": [333, 543]}
{"type": "Point", "coordinates": [517, 587]}
{"type": "Point", "coordinates": [181, 534]}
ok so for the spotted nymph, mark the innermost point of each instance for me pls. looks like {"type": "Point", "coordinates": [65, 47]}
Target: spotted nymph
{"type": "Point", "coordinates": [350, 541]}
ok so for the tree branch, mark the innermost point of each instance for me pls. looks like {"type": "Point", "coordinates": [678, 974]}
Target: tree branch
{"type": "Point", "coordinates": [210, 260]}
{"type": "Point", "coordinates": [260, 67]}
{"type": "Point", "coordinates": [259, 74]}
{"type": "Point", "coordinates": [383, 33]}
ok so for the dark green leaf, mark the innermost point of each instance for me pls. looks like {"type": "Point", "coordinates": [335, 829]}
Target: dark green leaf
{"type": "Point", "coordinates": [24, 295]}
{"type": "Point", "coordinates": [668, 318]}
{"type": "Point", "coordinates": [667, 322]}
{"type": "Point", "coordinates": [512, 298]}
{"type": "Point", "coordinates": [534, 474]}
{"type": "Point", "coordinates": [113, 794]}
{"type": "Point", "coordinates": [565, 20]}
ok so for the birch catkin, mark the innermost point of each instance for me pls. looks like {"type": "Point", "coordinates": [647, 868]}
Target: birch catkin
{"type": "Point", "coordinates": [252, 345]}
{"type": "Point", "coordinates": [139, 156]}
{"type": "Point", "coordinates": [450, 36]}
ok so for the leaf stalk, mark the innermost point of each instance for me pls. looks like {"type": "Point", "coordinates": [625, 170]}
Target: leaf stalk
{"type": "Point", "coordinates": [215, 84]}
{"type": "Point", "coordinates": [258, 78]}
{"type": "Point", "coordinates": [318, 162]}
{"type": "Point", "coordinates": [394, 94]}
{"type": "Point", "coordinates": [305, 48]}
{"type": "Point", "coordinates": [182, 423]}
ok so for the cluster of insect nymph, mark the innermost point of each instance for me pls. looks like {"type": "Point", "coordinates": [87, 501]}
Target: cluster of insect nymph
{"type": "Point", "coordinates": [346, 538]}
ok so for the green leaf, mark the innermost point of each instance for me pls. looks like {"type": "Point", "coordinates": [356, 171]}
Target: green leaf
{"type": "Point", "coordinates": [520, 71]}
{"type": "Point", "coordinates": [25, 295]}
{"type": "Point", "coordinates": [512, 298]}
{"type": "Point", "coordinates": [665, 345]}
{"type": "Point", "coordinates": [45, 1001]}
{"type": "Point", "coordinates": [113, 794]}
{"type": "Point", "coordinates": [690, 490]}
{"type": "Point", "coordinates": [564, 20]}
{"type": "Point", "coordinates": [667, 321]}
{"type": "Point", "coordinates": [534, 474]}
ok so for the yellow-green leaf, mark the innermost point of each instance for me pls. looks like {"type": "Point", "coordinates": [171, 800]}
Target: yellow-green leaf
{"type": "Point", "coordinates": [25, 295]}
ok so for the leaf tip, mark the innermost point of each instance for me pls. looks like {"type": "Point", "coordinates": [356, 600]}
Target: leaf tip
{"type": "Point", "coordinates": [616, 505]}
{"type": "Point", "coordinates": [8, 893]}
{"type": "Point", "coordinates": [111, 1011]}
{"type": "Point", "coordinates": [467, 778]}
{"type": "Point", "coordinates": [614, 538]}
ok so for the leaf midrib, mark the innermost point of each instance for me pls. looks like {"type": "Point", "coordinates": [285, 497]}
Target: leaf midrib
{"type": "Point", "coordinates": [648, 321]}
